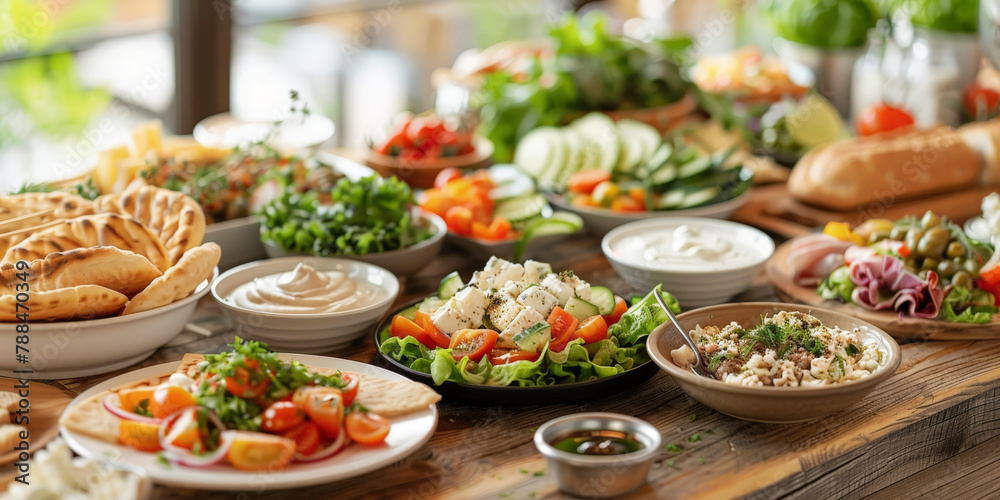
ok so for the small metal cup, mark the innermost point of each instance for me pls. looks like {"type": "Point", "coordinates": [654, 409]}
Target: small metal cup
{"type": "Point", "coordinates": [598, 476]}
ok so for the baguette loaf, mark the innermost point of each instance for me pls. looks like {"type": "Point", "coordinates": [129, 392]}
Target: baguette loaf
{"type": "Point", "coordinates": [984, 138]}
{"type": "Point", "coordinates": [885, 168]}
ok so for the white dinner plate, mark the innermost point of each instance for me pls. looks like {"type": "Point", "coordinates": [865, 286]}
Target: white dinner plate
{"type": "Point", "coordinates": [407, 434]}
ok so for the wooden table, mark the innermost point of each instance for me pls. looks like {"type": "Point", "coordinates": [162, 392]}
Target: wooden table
{"type": "Point", "coordinates": [931, 431]}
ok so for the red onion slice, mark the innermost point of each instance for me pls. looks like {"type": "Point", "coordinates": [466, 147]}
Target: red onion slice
{"type": "Point", "coordinates": [113, 404]}
{"type": "Point", "coordinates": [184, 457]}
{"type": "Point", "coordinates": [338, 444]}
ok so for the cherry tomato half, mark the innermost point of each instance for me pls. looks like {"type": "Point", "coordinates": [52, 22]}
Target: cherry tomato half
{"type": "Point", "coordinates": [593, 329]}
{"type": "Point", "coordinates": [882, 118]}
{"type": "Point", "coordinates": [281, 416]}
{"type": "Point", "coordinates": [402, 327]}
{"type": "Point", "coordinates": [248, 381]}
{"type": "Point", "coordinates": [306, 437]}
{"type": "Point", "coordinates": [445, 176]}
{"type": "Point", "coordinates": [439, 338]}
{"type": "Point", "coordinates": [366, 428]}
{"type": "Point", "coordinates": [500, 356]}
{"type": "Point", "coordinates": [563, 325]}
{"type": "Point", "coordinates": [472, 343]}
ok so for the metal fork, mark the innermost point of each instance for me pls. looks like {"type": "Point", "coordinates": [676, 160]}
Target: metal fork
{"type": "Point", "coordinates": [697, 366]}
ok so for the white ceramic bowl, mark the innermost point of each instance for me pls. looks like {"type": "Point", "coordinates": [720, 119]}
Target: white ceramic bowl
{"type": "Point", "coordinates": [692, 287]}
{"type": "Point", "coordinates": [305, 333]}
{"type": "Point", "coordinates": [598, 221]}
{"type": "Point", "coordinates": [71, 349]}
{"type": "Point", "coordinates": [402, 262]}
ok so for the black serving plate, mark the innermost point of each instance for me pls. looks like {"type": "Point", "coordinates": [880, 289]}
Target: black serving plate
{"type": "Point", "coordinates": [516, 395]}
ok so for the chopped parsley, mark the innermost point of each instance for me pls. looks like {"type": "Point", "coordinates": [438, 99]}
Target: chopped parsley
{"type": "Point", "coordinates": [539, 473]}
{"type": "Point", "coordinates": [673, 448]}
{"type": "Point", "coordinates": [781, 339]}
{"type": "Point", "coordinates": [143, 409]}
{"type": "Point", "coordinates": [694, 416]}
{"type": "Point", "coordinates": [695, 438]}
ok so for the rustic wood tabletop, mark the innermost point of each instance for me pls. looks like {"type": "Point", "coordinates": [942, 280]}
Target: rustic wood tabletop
{"type": "Point", "coordinates": [931, 431]}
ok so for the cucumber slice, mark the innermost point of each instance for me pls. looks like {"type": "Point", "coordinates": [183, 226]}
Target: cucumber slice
{"type": "Point", "coordinates": [581, 309]}
{"type": "Point", "coordinates": [521, 208]}
{"type": "Point", "coordinates": [450, 285]}
{"type": "Point", "coordinates": [430, 305]}
{"type": "Point", "coordinates": [603, 144]}
{"type": "Point", "coordinates": [539, 151]}
{"type": "Point", "coordinates": [670, 200]}
{"type": "Point", "coordinates": [509, 182]}
{"type": "Point", "coordinates": [700, 197]}
{"type": "Point", "coordinates": [576, 156]}
{"type": "Point", "coordinates": [410, 313]}
{"type": "Point", "coordinates": [533, 337]}
{"type": "Point", "coordinates": [645, 136]}
{"type": "Point", "coordinates": [660, 157]}
{"type": "Point", "coordinates": [664, 175]}
{"type": "Point", "coordinates": [603, 298]}
{"type": "Point", "coordinates": [695, 167]}
{"type": "Point", "coordinates": [560, 156]}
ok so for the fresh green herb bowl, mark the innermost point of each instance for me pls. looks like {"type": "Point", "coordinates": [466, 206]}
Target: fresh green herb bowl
{"type": "Point", "coordinates": [777, 405]}
{"type": "Point", "coordinates": [403, 262]}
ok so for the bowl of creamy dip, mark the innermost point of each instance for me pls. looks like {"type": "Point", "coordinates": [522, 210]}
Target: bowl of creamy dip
{"type": "Point", "coordinates": [700, 261]}
{"type": "Point", "coordinates": [305, 304]}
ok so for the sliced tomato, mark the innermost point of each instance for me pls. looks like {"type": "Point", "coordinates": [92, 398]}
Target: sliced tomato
{"type": "Point", "coordinates": [626, 203]}
{"type": "Point", "coordinates": [142, 436]}
{"type": "Point", "coordinates": [184, 431]}
{"type": "Point", "coordinates": [585, 181]}
{"type": "Point", "coordinates": [475, 344]}
{"type": "Point", "coordinates": [424, 129]}
{"type": "Point", "coordinates": [168, 399]}
{"type": "Point", "coordinates": [981, 102]}
{"type": "Point", "coordinates": [256, 451]}
{"type": "Point", "coordinates": [481, 179]}
{"type": "Point", "coordinates": [394, 145]}
{"type": "Point", "coordinates": [366, 428]}
{"type": "Point", "coordinates": [882, 118]}
{"type": "Point", "coordinates": [281, 416]}
{"type": "Point", "coordinates": [500, 229]}
{"type": "Point", "coordinates": [402, 327]}
{"type": "Point", "coordinates": [583, 201]}
{"type": "Point", "coordinates": [480, 231]}
{"type": "Point", "coordinates": [324, 406]}
{"type": "Point", "coordinates": [620, 308]}
{"type": "Point", "coordinates": [459, 219]}
{"type": "Point", "coordinates": [563, 325]}
{"type": "Point", "coordinates": [248, 381]}
{"type": "Point", "coordinates": [501, 356]}
{"type": "Point", "coordinates": [306, 437]}
{"type": "Point", "coordinates": [436, 202]}
{"type": "Point", "coordinates": [132, 399]}
{"type": "Point", "coordinates": [593, 329]}
{"type": "Point", "coordinates": [458, 189]}
{"type": "Point", "coordinates": [439, 338]}
{"type": "Point", "coordinates": [351, 391]}
{"type": "Point", "coordinates": [445, 176]}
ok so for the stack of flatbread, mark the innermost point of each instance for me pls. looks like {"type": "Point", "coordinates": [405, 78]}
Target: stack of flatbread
{"type": "Point", "coordinates": [121, 254]}
{"type": "Point", "coordinates": [388, 398]}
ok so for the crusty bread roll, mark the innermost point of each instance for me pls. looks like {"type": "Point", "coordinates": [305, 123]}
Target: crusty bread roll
{"type": "Point", "coordinates": [885, 168]}
{"type": "Point", "coordinates": [122, 271]}
{"type": "Point", "coordinates": [89, 231]}
{"type": "Point", "coordinates": [984, 138]}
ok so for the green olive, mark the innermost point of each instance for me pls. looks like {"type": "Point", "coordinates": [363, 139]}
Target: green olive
{"type": "Point", "coordinates": [929, 220]}
{"type": "Point", "coordinates": [955, 250]}
{"type": "Point", "coordinates": [913, 238]}
{"type": "Point", "coordinates": [897, 233]}
{"type": "Point", "coordinates": [930, 264]}
{"type": "Point", "coordinates": [971, 266]}
{"type": "Point", "coordinates": [934, 242]}
{"type": "Point", "coordinates": [948, 268]}
{"type": "Point", "coordinates": [962, 279]}
{"type": "Point", "coordinates": [981, 298]}
{"type": "Point", "coordinates": [878, 236]}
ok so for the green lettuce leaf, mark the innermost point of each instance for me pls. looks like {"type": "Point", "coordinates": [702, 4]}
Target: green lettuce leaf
{"type": "Point", "coordinates": [642, 318]}
{"type": "Point", "coordinates": [960, 299]}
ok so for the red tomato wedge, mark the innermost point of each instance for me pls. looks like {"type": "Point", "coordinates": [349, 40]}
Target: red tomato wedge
{"type": "Point", "coordinates": [366, 428]}
{"type": "Point", "coordinates": [592, 329]}
{"type": "Point", "coordinates": [585, 181]}
{"type": "Point", "coordinates": [620, 308]}
{"type": "Point", "coordinates": [281, 416]}
{"type": "Point", "coordinates": [402, 327]}
{"type": "Point", "coordinates": [142, 436]}
{"type": "Point", "coordinates": [306, 437]}
{"type": "Point", "coordinates": [247, 381]}
{"type": "Point", "coordinates": [501, 356]}
{"type": "Point", "coordinates": [475, 344]}
{"type": "Point", "coordinates": [351, 391]}
{"type": "Point", "coordinates": [324, 406]}
{"type": "Point", "coordinates": [882, 118]}
{"type": "Point", "coordinates": [563, 325]}
{"type": "Point", "coordinates": [439, 338]}
{"type": "Point", "coordinates": [167, 399]}
{"type": "Point", "coordinates": [255, 451]}
{"type": "Point", "coordinates": [445, 176]}
{"type": "Point", "coordinates": [459, 219]}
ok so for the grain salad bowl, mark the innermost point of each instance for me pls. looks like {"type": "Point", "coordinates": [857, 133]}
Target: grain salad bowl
{"type": "Point", "coordinates": [770, 404]}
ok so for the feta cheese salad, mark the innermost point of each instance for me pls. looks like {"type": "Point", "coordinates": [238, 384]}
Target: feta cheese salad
{"type": "Point", "coordinates": [522, 325]}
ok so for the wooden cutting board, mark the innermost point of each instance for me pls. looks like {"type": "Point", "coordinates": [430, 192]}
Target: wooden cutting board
{"type": "Point", "coordinates": [780, 275]}
{"type": "Point", "coordinates": [773, 209]}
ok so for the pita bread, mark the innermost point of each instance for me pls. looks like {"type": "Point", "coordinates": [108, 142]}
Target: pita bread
{"type": "Point", "coordinates": [89, 418]}
{"type": "Point", "coordinates": [9, 401]}
{"type": "Point", "coordinates": [179, 281]}
{"type": "Point", "coordinates": [62, 205]}
{"type": "Point", "coordinates": [89, 231]}
{"type": "Point", "coordinates": [175, 217]}
{"type": "Point", "coordinates": [83, 302]}
{"type": "Point", "coordinates": [122, 271]}
{"type": "Point", "coordinates": [4, 417]}
{"type": "Point", "coordinates": [10, 436]}
{"type": "Point", "coordinates": [392, 398]}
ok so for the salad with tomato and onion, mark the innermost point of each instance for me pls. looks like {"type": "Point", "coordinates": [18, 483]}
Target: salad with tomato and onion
{"type": "Point", "coordinates": [522, 325]}
{"type": "Point", "coordinates": [246, 408]}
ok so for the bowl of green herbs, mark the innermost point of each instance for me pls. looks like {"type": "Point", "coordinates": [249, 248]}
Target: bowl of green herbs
{"type": "Point", "coordinates": [373, 219]}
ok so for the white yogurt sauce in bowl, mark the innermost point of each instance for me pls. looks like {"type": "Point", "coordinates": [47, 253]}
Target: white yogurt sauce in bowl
{"type": "Point", "coordinates": [304, 290]}
{"type": "Point", "coordinates": [686, 246]}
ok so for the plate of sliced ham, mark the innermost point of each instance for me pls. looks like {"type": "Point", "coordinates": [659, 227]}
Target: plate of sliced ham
{"type": "Point", "coordinates": [885, 293]}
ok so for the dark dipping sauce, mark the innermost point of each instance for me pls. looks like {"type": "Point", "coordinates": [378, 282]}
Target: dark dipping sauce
{"type": "Point", "coordinates": [596, 442]}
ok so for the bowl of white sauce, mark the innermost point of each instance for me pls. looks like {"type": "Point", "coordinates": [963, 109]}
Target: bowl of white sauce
{"type": "Point", "coordinates": [305, 304]}
{"type": "Point", "coordinates": [700, 261]}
